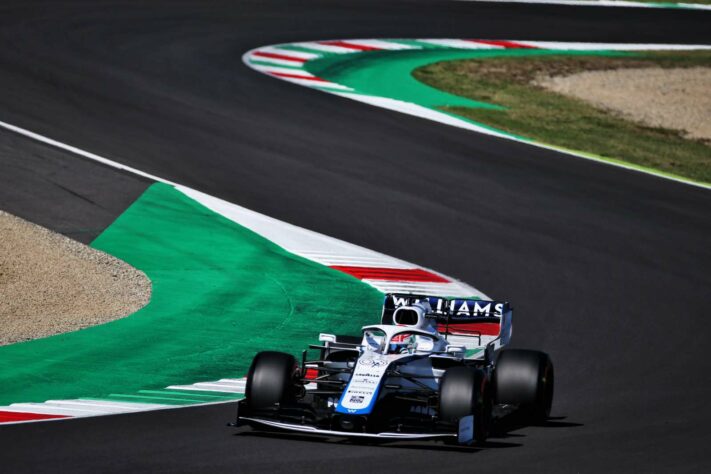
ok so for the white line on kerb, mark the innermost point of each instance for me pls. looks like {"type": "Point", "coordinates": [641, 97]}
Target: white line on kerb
{"type": "Point", "coordinates": [80, 152]}
{"type": "Point", "coordinates": [602, 3]}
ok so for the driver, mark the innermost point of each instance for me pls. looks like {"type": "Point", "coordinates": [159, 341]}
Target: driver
{"type": "Point", "coordinates": [402, 343]}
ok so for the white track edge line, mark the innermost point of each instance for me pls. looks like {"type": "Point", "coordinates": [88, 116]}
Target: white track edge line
{"type": "Point", "coordinates": [602, 3]}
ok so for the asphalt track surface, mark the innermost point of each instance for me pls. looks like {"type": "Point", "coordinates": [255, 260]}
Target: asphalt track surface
{"type": "Point", "coordinates": [609, 270]}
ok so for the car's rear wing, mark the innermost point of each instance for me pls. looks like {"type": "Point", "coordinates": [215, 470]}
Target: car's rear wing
{"type": "Point", "coordinates": [469, 322]}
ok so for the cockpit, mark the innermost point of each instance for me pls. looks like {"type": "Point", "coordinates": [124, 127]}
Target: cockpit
{"type": "Point", "coordinates": [398, 341]}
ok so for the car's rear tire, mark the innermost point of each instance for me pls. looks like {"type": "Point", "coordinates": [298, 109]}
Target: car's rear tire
{"type": "Point", "coordinates": [465, 391]}
{"type": "Point", "coordinates": [525, 378]}
{"type": "Point", "coordinates": [270, 380]}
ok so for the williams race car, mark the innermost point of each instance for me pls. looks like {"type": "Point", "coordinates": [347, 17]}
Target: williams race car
{"type": "Point", "coordinates": [433, 368]}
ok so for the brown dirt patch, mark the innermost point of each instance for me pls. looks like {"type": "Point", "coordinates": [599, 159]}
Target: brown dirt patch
{"type": "Point", "coordinates": [526, 70]}
{"type": "Point", "coordinates": [50, 284]}
{"type": "Point", "coordinates": [673, 98]}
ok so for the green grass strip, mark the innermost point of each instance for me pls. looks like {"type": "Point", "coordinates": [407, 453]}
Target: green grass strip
{"type": "Point", "coordinates": [199, 394]}
{"type": "Point", "coordinates": [127, 397]}
{"type": "Point", "coordinates": [266, 62]}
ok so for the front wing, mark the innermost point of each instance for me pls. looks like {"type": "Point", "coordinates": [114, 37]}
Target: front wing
{"type": "Point", "coordinates": [347, 434]}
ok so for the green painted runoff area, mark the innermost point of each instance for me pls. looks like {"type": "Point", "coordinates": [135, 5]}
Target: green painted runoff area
{"type": "Point", "coordinates": [389, 73]}
{"type": "Point", "coordinates": [221, 293]}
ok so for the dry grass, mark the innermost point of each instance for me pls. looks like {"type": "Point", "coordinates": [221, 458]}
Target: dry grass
{"type": "Point", "coordinates": [556, 119]}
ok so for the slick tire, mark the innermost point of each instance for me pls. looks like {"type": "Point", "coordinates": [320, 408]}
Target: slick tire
{"type": "Point", "coordinates": [466, 391]}
{"type": "Point", "coordinates": [525, 378]}
{"type": "Point", "coordinates": [270, 380]}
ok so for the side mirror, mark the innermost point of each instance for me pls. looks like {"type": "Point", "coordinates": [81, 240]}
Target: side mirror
{"type": "Point", "coordinates": [456, 350]}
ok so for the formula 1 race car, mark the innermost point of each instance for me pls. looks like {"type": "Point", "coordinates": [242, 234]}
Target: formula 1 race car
{"type": "Point", "coordinates": [433, 368]}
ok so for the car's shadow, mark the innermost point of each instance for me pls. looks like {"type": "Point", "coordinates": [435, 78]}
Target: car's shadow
{"type": "Point", "coordinates": [503, 429]}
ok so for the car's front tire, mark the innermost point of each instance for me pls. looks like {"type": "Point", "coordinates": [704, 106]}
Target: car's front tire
{"type": "Point", "coordinates": [525, 378]}
{"type": "Point", "coordinates": [465, 391]}
{"type": "Point", "coordinates": [270, 380]}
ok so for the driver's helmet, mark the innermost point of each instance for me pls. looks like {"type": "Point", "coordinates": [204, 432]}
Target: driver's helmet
{"type": "Point", "coordinates": [401, 342]}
